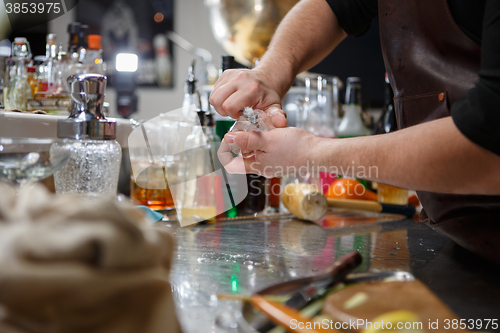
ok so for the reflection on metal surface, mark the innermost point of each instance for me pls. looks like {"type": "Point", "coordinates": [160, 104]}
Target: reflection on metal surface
{"type": "Point", "coordinates": [244, 28]}
{"type": "Point", "coordinates": [243, 257]}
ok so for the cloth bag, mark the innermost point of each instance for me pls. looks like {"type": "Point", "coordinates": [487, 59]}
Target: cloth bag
{"type": "Point", "coordinates": [68, 265]}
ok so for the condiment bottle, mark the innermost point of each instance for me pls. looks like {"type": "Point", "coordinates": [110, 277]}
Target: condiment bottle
{"type": "Point", "coordinates": [19, 89]}
{"type": "Point", "coordinates": [94, 163]}
{"type": "Point", "coordinates": [352, 123]}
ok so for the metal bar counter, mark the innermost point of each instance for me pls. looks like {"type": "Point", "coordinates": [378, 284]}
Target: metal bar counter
{"type": "Point", "coordinates": [242, 257]}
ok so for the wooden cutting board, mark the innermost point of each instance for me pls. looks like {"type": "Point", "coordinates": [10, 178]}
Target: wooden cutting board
{"type": "Point", "coordinates": [384, 297]}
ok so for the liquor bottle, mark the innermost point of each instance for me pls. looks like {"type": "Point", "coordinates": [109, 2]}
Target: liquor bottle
{"type": "Point", "coordinates": [191, 96]}
{"type": "Point", "coordinates": [386, 124]}
{"type": "Point", "coordinates": [352, 123]}
{"type": "Point", "coordinates": [93, 59]}
{"type": "Point", "coordinates": [48, 68]}
{"type": "Point", "coordinates": [8, 75]}
{"type": "Point", "coordinates": [76, 52]}
{"type": "Point", "coordinates": [223, 124]}
{"type": "Point", "coordinates": [19, 89]}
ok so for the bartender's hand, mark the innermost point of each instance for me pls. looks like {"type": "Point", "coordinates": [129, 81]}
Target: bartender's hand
{"type": "Point", "coordinates": [239, 88]}
{"type": "Point", "coordinates": [277, 152]}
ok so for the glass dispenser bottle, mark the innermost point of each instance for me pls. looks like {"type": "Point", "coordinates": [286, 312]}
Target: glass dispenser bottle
{"type": "Point", "coordinates": [93, 167]}
{"type": "Point", "coordinates": [19, 89]}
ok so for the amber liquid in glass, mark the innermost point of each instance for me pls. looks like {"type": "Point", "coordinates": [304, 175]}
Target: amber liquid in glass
{"type": "Point", "coordinates": [147, 189]}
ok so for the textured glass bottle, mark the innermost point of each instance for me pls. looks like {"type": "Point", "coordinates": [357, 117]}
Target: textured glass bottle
{"type": "Point", "coordinates": [19, 89]}
{"type": "Point", "coordinates": [94, 164]}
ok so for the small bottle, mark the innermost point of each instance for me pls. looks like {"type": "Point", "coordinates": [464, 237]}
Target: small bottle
{"type": "Point", "coordinates": [163, 63]}
{"type": "Point", "coordinates": [94, 163]}
{"type": "Point", "coordinates": [223, 124]}
{"type": "Point", "coordinates": [19, 89]}
{"type": "Point", "coordinates": [386, 124]}
{"type": "Point", "coordinates": [48, 68]}
{"type": "Point", "coordinates": [352, 123]}
{"type": "Point", "coordinates": [32, 79]}
{"type": "Point", "coordinates": [76, 52]}
{"type": "Point", "coordinates": [191, 96]}
{"type": "Point", "coordinates": [93, 59]}
{"type": "Point", "coordinates": [8, 75]}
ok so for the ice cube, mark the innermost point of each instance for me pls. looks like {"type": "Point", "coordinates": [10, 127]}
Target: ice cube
{"type": "Point", "coordinates": [252, 120]}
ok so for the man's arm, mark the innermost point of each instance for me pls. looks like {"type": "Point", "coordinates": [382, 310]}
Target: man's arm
{"type": "Point", "coordinates": [434, 156]}
{"type": "Point", "coordinates": [308, 33]}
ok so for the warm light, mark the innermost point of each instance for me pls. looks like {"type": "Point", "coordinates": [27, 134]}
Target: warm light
{"type": "Point", "coordinates": [158, 17]}
{"type": "Point", "coordinates": [126, 62]}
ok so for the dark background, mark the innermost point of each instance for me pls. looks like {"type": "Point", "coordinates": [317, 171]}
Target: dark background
{"type": "Point", "coordinates": [362, 57]}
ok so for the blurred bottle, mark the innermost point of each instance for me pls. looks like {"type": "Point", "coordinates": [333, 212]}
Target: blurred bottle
{"type": "Point", "coordinates": [191, 96]}
{"type": "Point", "coordinates": [19, 89]}
{"type": "Point", "coordinates": [32, 79]}
{"type": "Point", "coordinates": [10, 71]}
{"type": "Point", "coordinates": [223, 124]}
{"type": "Point", "coordinates": [163, 63]}
{"type": "Point", "coordinates": [352, 123]}
{"type": "Point", "coordinates": [76, 53]}
{"type": "Point", "coordinates": [386, 124]}
{"type": "Point", "coordinates": [93, 59]}
{"type": "Point", "coordinates": [47, 70]}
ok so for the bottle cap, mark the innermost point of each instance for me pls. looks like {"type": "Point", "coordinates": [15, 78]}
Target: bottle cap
{"type": "Point", "coordinates": [87, 120]}
{"type": "Point", "coordinates": [227, 62]}
{"type": "Point", "coordinates": [74, 28]}
{"type": "Point", "coordinates": [94, 42]}
{"type": "Point", "coordinates": [353, 79]}
{"type": "Point", "coordinates": [51, 39]}
{"type": "Point", "coordinates": [31, 69]}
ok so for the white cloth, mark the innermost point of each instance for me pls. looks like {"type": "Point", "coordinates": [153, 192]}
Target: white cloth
{"type": "Point", "coordinates": [68, 265]}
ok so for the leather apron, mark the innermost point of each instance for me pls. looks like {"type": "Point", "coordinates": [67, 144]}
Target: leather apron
{"type": "Point", "coordinates": [431, 63]}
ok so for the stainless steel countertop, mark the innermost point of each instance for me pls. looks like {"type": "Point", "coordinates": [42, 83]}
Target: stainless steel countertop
{"type": "Point", "coordinates": [242, 257]}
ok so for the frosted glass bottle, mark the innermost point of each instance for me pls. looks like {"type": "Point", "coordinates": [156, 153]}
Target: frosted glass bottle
{"type": "Point", "coordinates": [94, 164]}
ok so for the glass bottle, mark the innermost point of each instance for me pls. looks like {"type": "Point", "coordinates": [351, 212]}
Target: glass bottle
{"type": "Point", "coordinates": [19, 89]}
{"type": "Point", "coordinates": [223, 124]}
{"type": "Point", "coordinates": [94, 163]}
{"type": "Point", "coordinates": [8, 75]}
{"type": "Point", "coordinates": [76, 52]}
{"type": "Point", "coordinates": [32, 79]}
{"type": "Point", "coordinates": [352, 123]}
{"type": "Point", "coordinates": [93, 59]}
{"type": "Point", "coordinates": [191, 96]}
{"type": "Point", "coordinates": [48, 68]}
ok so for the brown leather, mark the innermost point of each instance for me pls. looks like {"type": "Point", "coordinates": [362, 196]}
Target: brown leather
{"type": "Point", "coordinates": [431, 64]}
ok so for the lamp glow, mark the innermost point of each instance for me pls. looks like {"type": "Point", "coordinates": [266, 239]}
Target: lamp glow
{"type": "Point", "coordinates": [126, 62]}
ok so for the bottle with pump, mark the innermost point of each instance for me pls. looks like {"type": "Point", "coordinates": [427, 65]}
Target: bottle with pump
{"type": "Point", "coordinates": [94, 163]}
{"type": "Point", "coordinates": [352, 123]}
{"type": "Point", "coordinates": [19, 89]}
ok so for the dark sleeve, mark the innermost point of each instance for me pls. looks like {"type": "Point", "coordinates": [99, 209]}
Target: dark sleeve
{"type": "Point", "coordinates": [354, 16]}
{"type": "Point", "coordinates": [477, 115]}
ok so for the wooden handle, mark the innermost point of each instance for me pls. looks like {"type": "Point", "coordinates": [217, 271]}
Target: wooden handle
{"type": "Point", "coordinates": [285, 316]}
{"type": "Point", "coordinates": [353, 204]}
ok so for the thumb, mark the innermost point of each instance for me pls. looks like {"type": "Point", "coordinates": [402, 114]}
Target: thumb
{"type": "Point", "coordinates": [247, 140]}
{"type": "Point", "coordinates": [278, 116]}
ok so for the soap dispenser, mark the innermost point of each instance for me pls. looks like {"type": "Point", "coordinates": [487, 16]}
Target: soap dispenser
{"type": "Point", "coordinates": [94, 163]}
